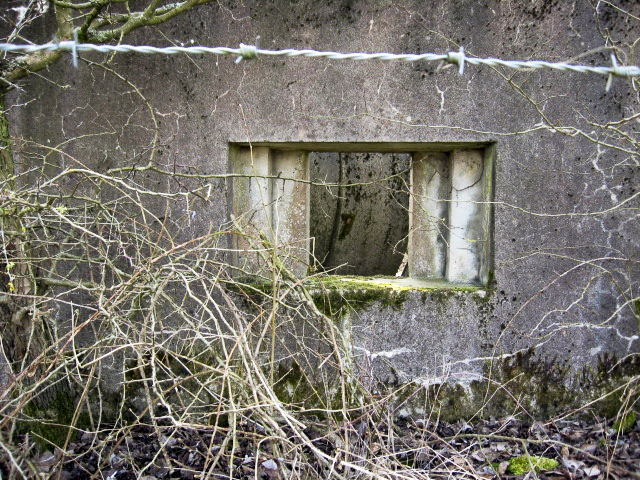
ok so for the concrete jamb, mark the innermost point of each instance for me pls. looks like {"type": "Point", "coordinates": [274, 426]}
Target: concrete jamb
{"type": "Point", "coordinates": [484, 250]}
{"type": "Point", "coordinates": [290, 204]}
{"type": "Point", "coordinates": [251, 204]}
{"type": "Point", "coordinates": [428, 212]}
{"type": "Point", "coordinates": [466, 216]}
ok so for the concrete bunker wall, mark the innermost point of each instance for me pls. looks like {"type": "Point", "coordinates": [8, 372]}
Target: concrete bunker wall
{"type": "Point", "coordinates": [551, 268]}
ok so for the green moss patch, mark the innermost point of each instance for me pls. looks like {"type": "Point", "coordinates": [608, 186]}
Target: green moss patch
{"type": "Point", "coordinates": [626, 423]}
{"type": "Point", "coordinates": [524, 381]}
{"type": "Point", "coordinates": [528, 463]}
{"type": "Point", "coordinates": [50, 425]}
{"type": "Point", "coordinates": [336, 295]}
{"type": "Point", "coordinates": [337, 303]}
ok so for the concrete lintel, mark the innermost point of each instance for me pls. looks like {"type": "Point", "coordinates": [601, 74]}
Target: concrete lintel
{"type": "Point", "coordinates": [367, 147]}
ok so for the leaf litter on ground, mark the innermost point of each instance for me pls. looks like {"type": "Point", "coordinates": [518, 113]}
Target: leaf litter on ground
{"type": "Point", "coordinates": [419, 448]}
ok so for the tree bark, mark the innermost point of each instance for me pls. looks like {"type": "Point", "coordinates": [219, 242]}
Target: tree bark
{"type": "Point", "coordinates": [6, 185]}
{"type": "Point", "coordinates": [23, 331]}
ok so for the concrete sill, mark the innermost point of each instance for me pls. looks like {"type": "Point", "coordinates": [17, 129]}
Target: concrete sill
{"type": "Point", "coordinates": [342, 282]}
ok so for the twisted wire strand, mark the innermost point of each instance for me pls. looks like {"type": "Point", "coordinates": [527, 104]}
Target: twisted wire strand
{"type": "Point", "coordinates": [249, 51]}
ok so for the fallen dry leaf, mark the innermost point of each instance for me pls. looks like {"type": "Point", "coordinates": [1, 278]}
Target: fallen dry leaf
{"type": "Point", "coordinates": [484, 455]}
{"type": "Point", "coordinates": [591, 471]}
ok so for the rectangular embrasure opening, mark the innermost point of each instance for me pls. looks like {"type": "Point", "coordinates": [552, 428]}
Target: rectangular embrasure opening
{"type": "Point", "coordinates": [359, 218]}
{"type": "Point", "coordinates": [422, 213]}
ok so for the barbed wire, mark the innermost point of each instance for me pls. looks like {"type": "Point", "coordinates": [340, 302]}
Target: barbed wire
{"type": "Point", "coordinates": [248, 52]}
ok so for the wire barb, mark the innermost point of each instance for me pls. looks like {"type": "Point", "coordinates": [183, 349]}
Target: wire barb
{"type": "Point", "coordinates": [457, 58]}
{"type": "Point", "coordinates": [74, 49]}
{"type": "Point", "coordinates": [616, 70]}
{"type": "Point", "coordinates": [246, 52]}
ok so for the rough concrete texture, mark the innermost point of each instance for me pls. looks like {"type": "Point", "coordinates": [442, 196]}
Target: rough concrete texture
{"type": "Point", "coordinates": [562, 269]}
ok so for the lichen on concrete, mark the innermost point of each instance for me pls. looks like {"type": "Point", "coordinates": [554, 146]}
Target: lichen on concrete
{"type": "Point", "coordinates": [528, 383]}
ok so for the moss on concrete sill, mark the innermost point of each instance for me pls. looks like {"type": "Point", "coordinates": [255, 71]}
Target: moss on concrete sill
{"type": "Point", "coordinates": [336, 295]}
{"type": "Point", "coordinates": [342, 282]}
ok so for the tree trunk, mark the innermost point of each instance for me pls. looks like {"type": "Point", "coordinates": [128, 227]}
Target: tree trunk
{"type": "Point", "coordinates": [23, 330]}
{"type": "Point", "coordinates": [6, 185]}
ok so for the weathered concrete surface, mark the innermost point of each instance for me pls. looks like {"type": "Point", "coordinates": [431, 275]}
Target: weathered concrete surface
{"type": "Point", "coordinates": [468, 219]}
{"type": "Point", "coordinates": [563, 280]}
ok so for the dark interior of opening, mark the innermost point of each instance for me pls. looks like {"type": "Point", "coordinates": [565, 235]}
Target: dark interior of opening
{"type": "Point", "coordinates": [360, 213]}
